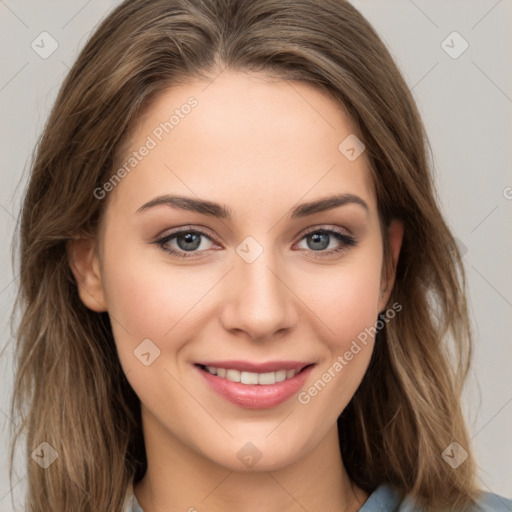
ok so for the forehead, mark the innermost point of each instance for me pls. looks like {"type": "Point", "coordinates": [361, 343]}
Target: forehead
{"type": "Point", "coordinates": [243, 139]}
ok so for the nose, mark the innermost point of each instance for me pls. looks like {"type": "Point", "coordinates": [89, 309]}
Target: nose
{"type": "Point", "coordinates": [259, 302]}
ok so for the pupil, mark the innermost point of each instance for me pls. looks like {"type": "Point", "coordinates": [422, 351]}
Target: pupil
{"type": "Point", "coordinates": [192, 241]}
{"type": "Point", "coordinates": [319, 238]}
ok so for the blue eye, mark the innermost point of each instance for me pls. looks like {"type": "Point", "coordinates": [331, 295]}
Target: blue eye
{"type": "Point", "coordinates": [186, 243]}
{"type": "Point", "coordinates": [320, 239]}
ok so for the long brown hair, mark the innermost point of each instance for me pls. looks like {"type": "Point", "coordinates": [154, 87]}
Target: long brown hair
{"type": "Point", "coordinates": [70, 390]}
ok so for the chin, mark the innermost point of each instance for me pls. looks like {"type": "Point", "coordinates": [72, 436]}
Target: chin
{"type": "Point", "coordinates": [260, 454]}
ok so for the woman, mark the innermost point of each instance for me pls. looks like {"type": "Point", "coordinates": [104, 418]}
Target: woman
{"type": "Point", "coordinates": [235, 276]}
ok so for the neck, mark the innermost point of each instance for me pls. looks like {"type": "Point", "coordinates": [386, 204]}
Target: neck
{"type": "Point", "coordinates": [178, 478]}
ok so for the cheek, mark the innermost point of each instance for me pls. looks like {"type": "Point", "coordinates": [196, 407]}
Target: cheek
{"type": "Point", "coordinates": [148, 300]}
{"type": "Point", "coordinates": [356, 303]}
{"type": "Point", "coordinates": [345, 298]}
{"type": "Point", "coordinates": [349, 310]}
{"type": "Point", "coordinates": [346, 302]}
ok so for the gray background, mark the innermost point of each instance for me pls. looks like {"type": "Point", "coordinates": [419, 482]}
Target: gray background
{"type": "Point", "coordinates": [466, 103]}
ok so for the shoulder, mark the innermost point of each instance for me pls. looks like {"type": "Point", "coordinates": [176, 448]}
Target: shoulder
{"type": "Point", "coordinates": [383, 499]}
{"type": "Point", "coordinates": [130, 501]}
{"type": "Point", "coordinates": [386, 499]}
{"type": "Point", "coordinates": [490, 502]}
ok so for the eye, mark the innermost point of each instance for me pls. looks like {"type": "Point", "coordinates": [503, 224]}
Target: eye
{"type": "Point", "coordinates": [188, 242]}
{"type": "Point", "coordinates": [318, 240]}
{"type": "Point", "coordinates": [184, 243]}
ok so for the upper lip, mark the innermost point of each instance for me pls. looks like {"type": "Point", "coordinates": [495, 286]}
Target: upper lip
{"type": "Point", "coordinates": [248, 366]}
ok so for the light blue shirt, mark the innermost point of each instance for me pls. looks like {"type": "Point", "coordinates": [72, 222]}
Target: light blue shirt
{"type": "Point", "coordinates": [383, 499]}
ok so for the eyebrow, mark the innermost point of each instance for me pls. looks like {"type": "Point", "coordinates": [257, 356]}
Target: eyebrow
{"type": "Point", "coordinates": [223, 212]}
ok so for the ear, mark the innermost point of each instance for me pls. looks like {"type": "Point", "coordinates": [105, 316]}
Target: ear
{"type": "Point", "coordinates": [84, 263]}
{"type": "Point", "coordinates": [395, 235]}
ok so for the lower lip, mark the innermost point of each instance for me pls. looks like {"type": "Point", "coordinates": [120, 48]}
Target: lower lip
{"type": "Point", "coordinates": [256, 396]}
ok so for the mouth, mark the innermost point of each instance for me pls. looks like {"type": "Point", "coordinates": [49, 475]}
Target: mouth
{"type": "Point", "coordinates": [255, 386]}
{"type": "Point", "coordinates": [248, 377]}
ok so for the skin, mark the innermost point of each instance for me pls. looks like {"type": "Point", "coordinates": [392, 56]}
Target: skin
{"type": "Point", "coordinates": [260, 147]}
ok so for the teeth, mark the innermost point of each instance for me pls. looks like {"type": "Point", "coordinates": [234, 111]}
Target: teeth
{"type": "Point", "coordinates": [233, 375]}
{"type": "Point", "coordinates": [249, 378]}
{"type": "Point", "coordinates": [252, 377]}
{"type": "Point", "coordinates": [267, 378]}
{"type": "Point", "coordinates": [280, 375]}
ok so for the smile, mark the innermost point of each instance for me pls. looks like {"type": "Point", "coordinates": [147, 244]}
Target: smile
{"type": "Point", "coordinates": [255, 386]}
{"type": "Point", "coordinates": [261, 379]}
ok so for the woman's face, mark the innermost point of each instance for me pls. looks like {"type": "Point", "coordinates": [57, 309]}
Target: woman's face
{"type": "Point", "coordinates": [265, 279]}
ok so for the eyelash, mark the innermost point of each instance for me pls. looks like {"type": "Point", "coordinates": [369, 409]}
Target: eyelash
{"type": "Point", "coordinates": [347, 240]}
